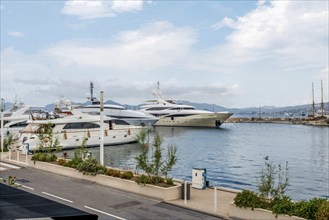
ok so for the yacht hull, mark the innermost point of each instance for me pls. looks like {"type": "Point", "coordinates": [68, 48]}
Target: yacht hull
{"type": "Point", "coordinates": [69, 140]}
{"type": "Point", "coordinates": [212, 120]}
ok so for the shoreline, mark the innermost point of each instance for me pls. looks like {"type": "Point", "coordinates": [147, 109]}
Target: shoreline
{"type": "Point", "coordinates": [298, 121]}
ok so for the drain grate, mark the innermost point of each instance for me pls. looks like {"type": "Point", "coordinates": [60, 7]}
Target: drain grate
{"type": "Point", "coordinates": [126, 204]}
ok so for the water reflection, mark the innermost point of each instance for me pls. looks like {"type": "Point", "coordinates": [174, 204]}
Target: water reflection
{"type": "Point", "coordinates": [234, 154]}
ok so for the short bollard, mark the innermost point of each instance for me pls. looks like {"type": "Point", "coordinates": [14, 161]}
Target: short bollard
{"type": "Point", "coordinates": [26, 157]}
{"type": "Point", "coordinates": [185, 192]}
{"type": "Point", "coordinates": [215, 199]}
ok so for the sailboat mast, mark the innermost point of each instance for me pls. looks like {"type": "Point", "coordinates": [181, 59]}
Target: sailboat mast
{"type": "Point", "coordinates": [313, 104]}
{"type": "Point", "coordinates": [322, 106]}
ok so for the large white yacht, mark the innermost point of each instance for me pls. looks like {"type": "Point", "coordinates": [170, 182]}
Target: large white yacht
{"type": "Point", "coordinates": [116, 111]}
{"type": "Point", "coordinates": [171, 113]}
{"type": "Point", "coordinates": [16, 117]}
{"type": "Point", "coordinates": [72, 131]}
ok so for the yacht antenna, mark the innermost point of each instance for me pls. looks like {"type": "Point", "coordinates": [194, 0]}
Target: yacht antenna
{"type": "Point", "coordinates": [158, 86]}
{"type": "Point", "coordinates": [322, 107]}
{"type": "Point", "coordinates": [91, 87]}
{"type": "Point", "coordinates": [313, 104]}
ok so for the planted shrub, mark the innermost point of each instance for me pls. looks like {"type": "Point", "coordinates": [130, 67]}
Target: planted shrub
{"type": "Point", "coordinates": [113, 172]}
{"type": "Point", "coordinates": [323, 211]}
{"type": "Point", "coordinates": [249, 199]}
{"type": "Point", "coordinates": [91, 167]}
{"type": "Point", "coordinates": [127, 175]}
{"type": "Point", "coordinates": [61, 162]}
{"type": "Point", "coordinates": [156, 167]}
{"type": "Point", "coordinates": [283, 205]}
{"type": "Point", "coordinates": [45, 157]}
{"type": "Point", "coordinates": [143, 179]}
{"type": "Point", "coordinates": [309, 209]}
{"type": "Point", "coordinates": [169, 181]}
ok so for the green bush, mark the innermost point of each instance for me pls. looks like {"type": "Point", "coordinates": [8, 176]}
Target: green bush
{"type": "Point", "coordinates": [127, 175]}
{"type": "Point", "coordinates": [249, 199]}
{"type": "Point", "coordinates": [309, 209]}
{"type": "Point", "coordinates": [156, 167]}
{"type": "Point", "coordinates": [61, 162]}
{"type": "Point", "coordinates": [46, 157]}
{"type": "Point", "coordinates": [143, 179]}
{"type": "Point", "coordinates": [91, 167]}
{"type": "Point", "coordinates": [283, 205]}
{"type": "Point", "coordinates": [169, 181]}
{"type": "Point", "coordinates": [113, 172]}
{"type": "Point", "coordinates": [323, 211]}
{"type": "Point", "coordinates": [77, 159]}
{"type": "Point", "coordinates": [316, 208]}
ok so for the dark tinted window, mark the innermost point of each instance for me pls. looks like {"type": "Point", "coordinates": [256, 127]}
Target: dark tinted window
{"type": "Point", "coordinates": [85, 125]}
{"type": "Point", "coordinates": [120, 122]}
{"type": "Point", "coordinates": [157, 108]}
{"type": "Point", "coordinates": [20, 124]}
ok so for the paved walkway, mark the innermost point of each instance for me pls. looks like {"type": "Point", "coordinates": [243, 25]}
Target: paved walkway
{"type": "Point", "coordinates": [200, 200]}
{"type": "Point", "coordinates": [204, 201]}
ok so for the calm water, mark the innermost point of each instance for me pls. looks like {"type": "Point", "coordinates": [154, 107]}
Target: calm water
{"type": "Point", "coordinates": [234, 154]}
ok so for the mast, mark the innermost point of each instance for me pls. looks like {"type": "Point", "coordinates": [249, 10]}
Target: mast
{"type": "Point", "coordinates": [322, 105]}
{"type": "Point", "coordinates": [92, 98]}
{"type": "Point", "coordinates": [313, 104]}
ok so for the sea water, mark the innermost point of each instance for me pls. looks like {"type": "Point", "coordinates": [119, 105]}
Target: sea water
{"type": "Point", "coordinates": [234, 154]}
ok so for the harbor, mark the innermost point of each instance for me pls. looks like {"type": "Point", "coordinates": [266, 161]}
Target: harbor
{"type": "Point", "coordinates": [160, 110]}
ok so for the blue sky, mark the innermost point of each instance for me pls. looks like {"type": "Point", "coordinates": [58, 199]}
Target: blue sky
{"type": "Point", "coordinates": [230, 53]}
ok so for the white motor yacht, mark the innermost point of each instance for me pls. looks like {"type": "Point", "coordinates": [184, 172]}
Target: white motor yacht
{"type": "Point", "coordinates": [171, 113]}
{"type": "Point", "coordinates": [16, 117]}
{"type": "Point", "coordinates": [116, 111]}
{"type": "Point", "coordinates": [71, 131]}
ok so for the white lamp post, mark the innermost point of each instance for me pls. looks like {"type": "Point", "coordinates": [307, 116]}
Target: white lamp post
{"type": "Point", "coordinates": [101, 129]}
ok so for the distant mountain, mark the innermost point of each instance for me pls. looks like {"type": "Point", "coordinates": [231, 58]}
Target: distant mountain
{"type": "Point", "coordinates": [250, 111]}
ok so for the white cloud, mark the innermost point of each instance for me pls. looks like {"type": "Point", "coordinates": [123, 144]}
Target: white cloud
{"type": "Point", "coordinates": [156, 45]}
{"type": "Point", "coordinates": [15, 34]}
{"type": "Point", "coordinates": [92, 9]}
{"type": "Point", "coordinates": [294, 34]}
{"type": "Point", "coordinates": [225, 22]}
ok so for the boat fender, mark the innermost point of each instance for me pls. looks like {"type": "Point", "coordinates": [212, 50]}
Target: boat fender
{"type": "Point", "coordinates": [105, 132]}
{"type": "Point", "coordinates": [65, 135]}
{"type": "Point", "coordinates": [129, 131]}
{"type": "Point", "coordinates": [88, 133]}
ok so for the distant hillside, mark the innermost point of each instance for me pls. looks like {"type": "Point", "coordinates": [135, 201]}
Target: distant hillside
{"type": "Point", "coordinates": [298, 110]}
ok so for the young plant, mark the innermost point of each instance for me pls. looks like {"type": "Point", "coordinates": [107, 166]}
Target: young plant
{"type": "Point", "coordinates": [141, 137]}
{"type": "Point", "coordinates": [156, 167]}
{"type": "Point", "coordinates": [46, 140]}
{"type": "Point", "coordinates": [7, 143]}
{"type": "Point", "coordinates": [267, 182]}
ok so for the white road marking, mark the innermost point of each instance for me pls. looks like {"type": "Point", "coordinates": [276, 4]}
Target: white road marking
{"type": "Point", "coordinates": [27, 187]}
{"type": "Point", "coordinates": [57, 197]}
{"type": "Point", "coordinates": [1, 168]}
{"type": "Point", "coordinates": [105, 213]}
{"type": "Point", "coordinates": [9, 165]}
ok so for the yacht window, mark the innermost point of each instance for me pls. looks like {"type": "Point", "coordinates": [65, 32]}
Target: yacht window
{"type": "Point", "coordinates": [90, 125]}
{"type": "Point", "coordinates": [184, 108]}
{"type": "Point", "coordinates": [80, 125]}
{"type": "Point", "coordinates": [20, 124]}
{"type": "Point", "coordinates": [120, 122]}
{"type": "Point", "coordinates": [156, 108]}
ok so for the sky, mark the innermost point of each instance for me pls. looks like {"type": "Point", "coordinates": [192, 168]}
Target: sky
{"type": "Point", "coordinates": [230, 53]}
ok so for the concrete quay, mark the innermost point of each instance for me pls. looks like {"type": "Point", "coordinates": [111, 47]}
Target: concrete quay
{"type": "Point", "coordinates": [213, 201]}
{"type": "Point", "coordinates": [209, 201]}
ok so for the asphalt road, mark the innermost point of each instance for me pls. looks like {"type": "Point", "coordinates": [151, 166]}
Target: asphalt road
{"type": "Point", "coordinates": [103, 201]}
